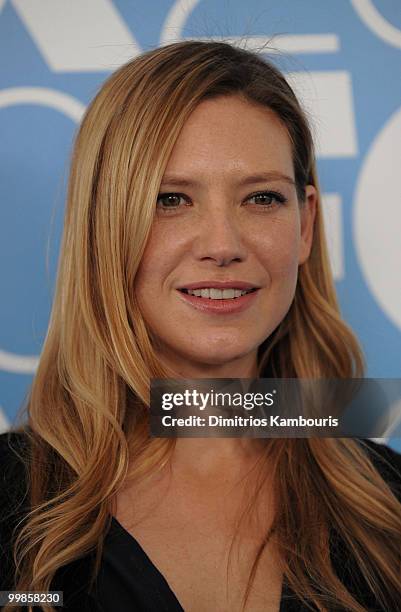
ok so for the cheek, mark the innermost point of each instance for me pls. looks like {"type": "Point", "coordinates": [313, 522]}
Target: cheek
{"type": "Point", "coordinates": [278, 248]}
{"type": "Point", "coordinates": [161, 257]}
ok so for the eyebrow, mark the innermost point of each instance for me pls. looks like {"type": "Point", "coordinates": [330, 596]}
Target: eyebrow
{"type": "Point", "coordinates": [173, 179]}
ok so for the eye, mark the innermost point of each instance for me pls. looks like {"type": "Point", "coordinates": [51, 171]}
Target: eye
{"type": "Point", "coordinates": [268, 199]}
{"type": "Point", "coordinates": [170, 201]}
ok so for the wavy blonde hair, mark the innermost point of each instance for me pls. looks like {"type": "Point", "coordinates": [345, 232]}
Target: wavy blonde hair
{"type": "Point", "coordinates": [87, 407]}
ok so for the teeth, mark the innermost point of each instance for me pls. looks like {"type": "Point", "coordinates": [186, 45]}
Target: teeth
{"type": "Point", "coordinates": [217, 294]}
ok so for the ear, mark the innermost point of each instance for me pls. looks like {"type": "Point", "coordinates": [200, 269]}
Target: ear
{"type": "Point", "coordinates": [308, 212]}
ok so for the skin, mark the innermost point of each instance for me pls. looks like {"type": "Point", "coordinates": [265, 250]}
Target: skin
{"type": "Point", "coordinates": [185, 514]}
{"type": "Point", "coordinates": [218, 232]}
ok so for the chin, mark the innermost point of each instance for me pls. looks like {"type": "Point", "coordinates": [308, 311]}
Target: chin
{"type": "Point", "coordinates": [220, 355]}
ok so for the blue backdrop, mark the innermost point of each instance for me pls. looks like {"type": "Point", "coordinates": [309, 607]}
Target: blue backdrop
{"type": "Point", "coordinates": [343, 58]}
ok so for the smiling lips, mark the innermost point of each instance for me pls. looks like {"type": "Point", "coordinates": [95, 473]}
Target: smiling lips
{"type": "Point", "coordinates": [217, 294]}
{"type": "Point", "coordinates": [219, 297]}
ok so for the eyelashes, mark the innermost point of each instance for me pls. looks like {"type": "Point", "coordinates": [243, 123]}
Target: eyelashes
{"type": "Point", "coordinates": [171, 205]}
{"type": "Point", "coordinates": [273, 196]}
{"type": "Point", "coordinates": [169, 202]}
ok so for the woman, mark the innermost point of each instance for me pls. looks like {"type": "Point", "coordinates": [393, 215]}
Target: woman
{"type": "Point", "coordinates": [193, 172]}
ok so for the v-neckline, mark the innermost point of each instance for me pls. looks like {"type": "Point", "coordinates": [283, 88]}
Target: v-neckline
{"type": "Point", "coordinates": [150, 572]}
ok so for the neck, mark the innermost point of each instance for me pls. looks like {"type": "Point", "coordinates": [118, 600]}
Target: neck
{"type": "Point", "coordinates": [216, 460]}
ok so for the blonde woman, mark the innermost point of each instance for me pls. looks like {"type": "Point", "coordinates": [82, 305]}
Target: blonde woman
{"type": "Point", "coordinates": [193, 170]}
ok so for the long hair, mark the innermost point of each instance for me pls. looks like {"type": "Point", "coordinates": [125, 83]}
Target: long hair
{"type": "Point", "coordinates": [88, 404]}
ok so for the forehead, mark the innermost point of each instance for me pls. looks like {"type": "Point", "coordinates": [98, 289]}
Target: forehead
{"type": "Point", "coordinates": [230, 133]}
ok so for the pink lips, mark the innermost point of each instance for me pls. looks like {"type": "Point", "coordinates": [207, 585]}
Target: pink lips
{"type": "Point", "coordinates": [228, 306]}
{"type": "Point", "coordinates": [228, 284]}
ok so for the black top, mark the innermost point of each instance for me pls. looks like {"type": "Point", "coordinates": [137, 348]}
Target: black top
{"type": "Point", "coordinates": [128, 581]}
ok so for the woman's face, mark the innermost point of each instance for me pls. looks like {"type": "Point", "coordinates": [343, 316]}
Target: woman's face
{"type": "Point", "coordinates": [227, 218]}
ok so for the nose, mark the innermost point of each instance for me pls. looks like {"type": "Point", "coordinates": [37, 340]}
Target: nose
{"type": "Point", "coordinates": [219, 238]}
